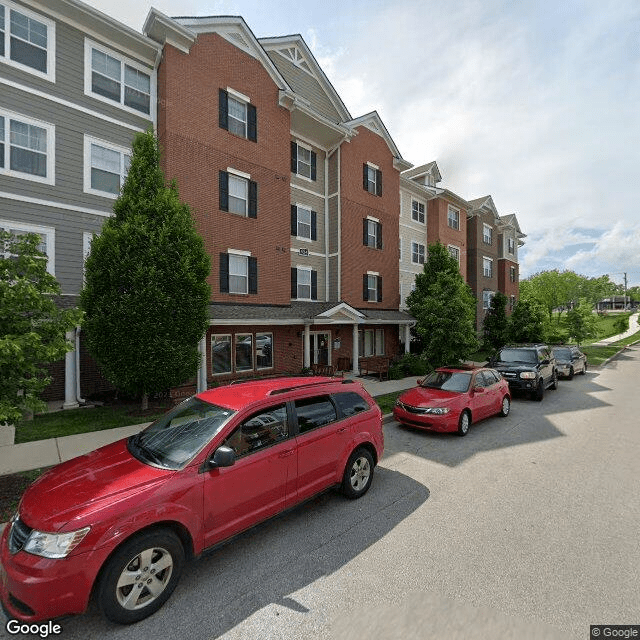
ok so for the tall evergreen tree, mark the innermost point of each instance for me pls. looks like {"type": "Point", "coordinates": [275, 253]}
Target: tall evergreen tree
{"type": "Point", "coordinates": [32, 327]}
{"type": "Point", "coordinates": [146, 296]}
{"type": "Point", "coordinates": [495, 325]}
{"type": "Point", "coordinates": [444, 309]}
{"type": "Point", "coordinates": [527, 322]}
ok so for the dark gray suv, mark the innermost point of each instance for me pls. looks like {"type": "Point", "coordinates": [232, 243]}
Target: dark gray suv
{"type": "Point", "coordinates": [530, 368]}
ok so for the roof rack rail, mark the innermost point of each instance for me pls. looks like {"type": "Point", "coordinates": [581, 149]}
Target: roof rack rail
{"type": "Point", "coordinates": [315, 383]}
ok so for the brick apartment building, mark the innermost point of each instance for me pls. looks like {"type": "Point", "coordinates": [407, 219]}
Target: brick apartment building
{"type": "Point", "coordinates": [296, 200]}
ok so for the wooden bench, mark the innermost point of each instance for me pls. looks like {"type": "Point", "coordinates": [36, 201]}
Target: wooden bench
{"type": "Point", "coordinates": [375, 364]}
{"type": "Point", "coordinates": [323, 370]}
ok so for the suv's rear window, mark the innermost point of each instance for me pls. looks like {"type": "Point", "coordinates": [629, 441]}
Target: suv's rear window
{"type": "Point", "coordinates": [315, 412]}
{"type": "Point", "coordinates": [350, 403]}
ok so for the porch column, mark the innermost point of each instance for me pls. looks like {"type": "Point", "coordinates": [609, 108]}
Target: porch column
{"type": "Point", "coordinates": [356, 347]}
{"type": "Point", "coordinates": [70, 400]}
{"type": "Point", "coordinates": [407, 338]}
{"type": "Point", "coordinates": [307, 346]}
{"type": "Point", "coordinates": [202, 366]}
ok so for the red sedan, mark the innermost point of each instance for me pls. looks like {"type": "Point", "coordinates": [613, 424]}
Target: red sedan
{"type": "Point", "coordinates": [450, 399]}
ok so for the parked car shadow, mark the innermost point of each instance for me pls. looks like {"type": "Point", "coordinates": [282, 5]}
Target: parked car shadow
{"type": "Point", "coordinates": [527, 423]}
{"type": "Point", "coordinates": [269, 563]}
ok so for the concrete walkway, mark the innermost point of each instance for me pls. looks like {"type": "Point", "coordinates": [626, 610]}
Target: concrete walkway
{"type": "Point", "coordinates": [634, 326]}
{"type": "Point", "coordinates": [45, 453]}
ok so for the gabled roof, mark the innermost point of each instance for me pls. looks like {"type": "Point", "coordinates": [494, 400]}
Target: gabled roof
{"type": "Point", "coordinates": [485, 204]}
{"type": "Point", "coordinates": [295, 49]}
{"type": "Point", "coordinates": [234, 29]}
{"type": "Point", "coordinates": [373, 122]}
{"type": "Point", "coordinates": [511, 220]}
{"type": "Point", "coordinates": [423, 170]}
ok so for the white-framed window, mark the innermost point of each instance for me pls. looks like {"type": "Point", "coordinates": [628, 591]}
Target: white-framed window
{"type": "Point", "coordinates": [417, 253]}
{"type": "Point", "coordinates": [238, 273]}
{"type": "Point", "coordinates": [304, 223]}
{"type": "Point", "coordinates": [220, 354]}
{"type": "Point", "coordinates": [113, 78]}
{"type": "Point", "coordinates": [512, 274]}
{"type": "Point", "coordinates": [27, 40]}
{"type": "Point", "coordinates": [27, 148]}
{"type": "Point", "coordinates": [511, 245]}
{"type": "Point", "coordinates": [372, 287]}
{"type": "Point", "coordinates": [453, 218]}
{"type": "Point", "coordinates": [454, 252]}
{"type": "Point", "coordinates": [244, 351]}
{"type": "Point", "coordinates": [304, 283]}
{"type": "Point", "coordinates": [487, 267]}
{"type": "Point", "coordinates": [264, 350]}
{"type": "Point", "coordinates": [371, 342]}
{"type": "Point", "coordinates": [487, 233]}
{"type": "Point", "coordinates": [304, 161]}
{"type": "Point", "coordinates": [487, 296]}
{"type": "Point", "coordinates": [238, 194]}
{"type": "Point", "coordinates": [417, 211]}
{"type": "Point", "coordinates": [372, 179]}
{"type": "Point", "coordinates": [237, 116]}
{"type": "Point", "coordinates": [47, 239]}
{"type": "Point", "coordinates": [372, 233]}
{"type": "Point", "coordinates": [105, 167]}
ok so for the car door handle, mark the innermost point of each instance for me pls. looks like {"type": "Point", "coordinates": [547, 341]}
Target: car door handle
{"type": "Point", "coordinates": [285, 454]}
{"type": "Point", "coordinates": [342, 429]}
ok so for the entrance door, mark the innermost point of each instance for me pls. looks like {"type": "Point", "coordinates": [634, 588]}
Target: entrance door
{"type": "Point", "coordinates": [320, 352]}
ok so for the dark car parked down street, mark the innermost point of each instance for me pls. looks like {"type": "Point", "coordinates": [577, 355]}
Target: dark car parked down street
{"type": "Point", "coordinates": [569, 360]}
{"type": "Point", "coordinates": [530, 368]}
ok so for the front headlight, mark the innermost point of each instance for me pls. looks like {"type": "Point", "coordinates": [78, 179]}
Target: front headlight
{"type": "Point", "coordinates": [54, 545]}
{"type": "Point", "coordinates": [438, 411]}
{"type": "Point", "coordinates": [528, 375]}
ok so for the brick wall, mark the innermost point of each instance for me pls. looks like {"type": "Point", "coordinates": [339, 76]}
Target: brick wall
{"type": "Point", "coordinates": [438, 229]}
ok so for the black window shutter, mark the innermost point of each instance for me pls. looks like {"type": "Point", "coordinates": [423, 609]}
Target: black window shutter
{"type": "Point", "coordinates": [224, 190]}
{"type": "Point", "coordinates": [379, 288]}
{"type": "Point", "coordinates": [252, 123]}
{"type": "Point", "coordinates": [224, 273]}
{"type": "Point", "coordinates": [365, 232]}
{"type": "Point", "coordinates": [294, 157]}
{"type": "Point", "coordinates": [314, 225]}
{"type": "Point", "coordinates": [253, 274]}
{"type": "Point", "coordinates": [223, 109]}
{"type": "Point", "coordinates": [365, 287]}
{"type": "Point", "coordinates": [379, 236]}
{"type": "Point", "coordinates": [365, 177]}
{"type": "Point", "coordinates": [294, 220]}
{"type": "Point", "coordinates": [294, 282]}
{"type": "Point", "coordinates": [314, 285]}
{"type": "Point", "coordinates": [378, 182]}
{"type": "Point", "coordinates": [253, 199]}
{"type": "Point", "coordinates": [313, 165]}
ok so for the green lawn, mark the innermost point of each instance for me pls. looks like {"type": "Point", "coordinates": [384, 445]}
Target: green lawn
{"type": "Point", "coordinates": [66, 423]}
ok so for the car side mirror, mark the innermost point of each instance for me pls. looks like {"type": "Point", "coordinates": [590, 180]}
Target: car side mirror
{"type": "Point", "coordinates": [419, 381]}
{"type": "Point", "coordinates": [546, 362]}
{"type": "Point", "coordinates": [478, 389]}
{"type": "Point", "coordinates": [222, 457]}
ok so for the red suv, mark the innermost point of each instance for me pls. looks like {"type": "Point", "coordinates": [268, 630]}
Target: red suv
{"type": "Point", "coordinates": [121, 521]}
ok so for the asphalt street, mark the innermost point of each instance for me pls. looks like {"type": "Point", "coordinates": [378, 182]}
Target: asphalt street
{"type": "Point", "coordinates": [526, 528]}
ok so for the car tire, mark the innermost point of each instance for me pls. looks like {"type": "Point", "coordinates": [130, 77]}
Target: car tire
{"type": "Point", "coordinates": [464, 423]}
{"type": "Point", "coordinates": [554, 381]}
{"type": "Point", "coordinates": [538, 394]}
{"type": "Point", "coordinates": [149, 564]}
{"type": "Point", "coordinates": [358, 474]}
{"type": "Point", "coordinates": [506, 406]}
{"type": "Point", "coordinates": [571, 373]}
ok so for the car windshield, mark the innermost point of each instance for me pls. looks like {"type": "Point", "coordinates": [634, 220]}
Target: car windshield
{"type": "Point", "coordinates": [563, 354]}
{"type": "Point", "coordinates": [175, 438]}
{"type": "Point", "coordinates": [518, 355]}
{"type": "Point", "coordinates": [447, 381]}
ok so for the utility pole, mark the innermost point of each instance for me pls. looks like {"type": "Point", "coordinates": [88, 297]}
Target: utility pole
{"type": "Point", "coordinates": [625, 289]}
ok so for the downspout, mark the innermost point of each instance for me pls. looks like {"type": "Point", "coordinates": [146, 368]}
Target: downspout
{"type": "Point", "coordinates": [78, 398]}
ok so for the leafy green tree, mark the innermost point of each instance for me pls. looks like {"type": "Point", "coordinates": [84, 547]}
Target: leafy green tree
{"type": "Point", "coordinates": [32, 327]}
{"type": "Point", "coordinates": [527, 322]}
{"type": "Point", "coordinates": [146, 296]}
{"type": "Point", "coordinates": [495, 326]}
{"type": "Point", "coordinates": [581, 322]}
{"type": "Point", "coordinates": [549, 288]}
{"type": "Point", "coordinates": [444, 309]}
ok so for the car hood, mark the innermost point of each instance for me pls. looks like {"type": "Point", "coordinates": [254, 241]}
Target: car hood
{"type": "Point", "coordinates": [87, 484]}
{"type": "Point", "coordinates": [560, 360]}
{"type": "Point", "coordinates": [513, 366]}
{"type": "Point", "coordinates": [422, 397]}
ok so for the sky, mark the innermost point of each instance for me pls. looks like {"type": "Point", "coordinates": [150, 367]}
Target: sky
{"type": "Point", "coordinates": [535, 103]}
